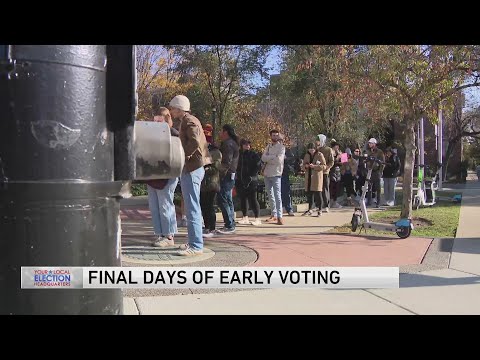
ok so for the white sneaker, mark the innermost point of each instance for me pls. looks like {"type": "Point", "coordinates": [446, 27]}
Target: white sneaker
{"type": "Point", "coordinates": [188, 251]}
{"type": "Point", "coordinates": [163, 242]}
{"type": "Point", "coordinates": [244, 221]}
{"type": "Point", "coordinates": [256, 222]}
{"type": "Point", "coordinates": [208, 233]}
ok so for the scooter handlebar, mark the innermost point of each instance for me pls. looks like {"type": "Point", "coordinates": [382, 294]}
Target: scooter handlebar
{"type": "Point", "coordinates": [373, 158]}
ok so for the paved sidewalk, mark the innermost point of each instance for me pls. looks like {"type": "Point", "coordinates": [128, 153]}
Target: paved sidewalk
{"type": "Point", "coordinates": [453, 290]}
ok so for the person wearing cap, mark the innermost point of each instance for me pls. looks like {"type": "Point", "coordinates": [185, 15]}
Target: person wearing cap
{"type": "Point", "coordinates": [349, 171]}
{"type": "Point", "coordinates": [195, 147]}
{"type": "Point", "coordinates": [377, 170]}
{"type": "Point", "coordinates": [228, 168]}
{"type": "Point", "coordinates": [273, 157]}
{"type": "Point", "coordinates": [210, 184]}
{"type": "Point", "coordinates": [249, 164]}
{"type": "Point", "coordinates": [390, 173]}
{"type": "Point", "coordinates": [320, 143]}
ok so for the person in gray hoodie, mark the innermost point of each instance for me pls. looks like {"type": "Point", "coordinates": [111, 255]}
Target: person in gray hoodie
{"type": "Point", "coordinates": [327, 152]}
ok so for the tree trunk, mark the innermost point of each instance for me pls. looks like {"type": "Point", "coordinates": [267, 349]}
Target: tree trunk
{"type": "Point", "coordinates": [408, 171]}
{"type": "Point", "coordinates": [448, 155]}
{"type": "Point", "coordinates": [220, 116]}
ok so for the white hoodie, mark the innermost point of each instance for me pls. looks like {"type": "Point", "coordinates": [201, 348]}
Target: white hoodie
{"type": "Point", "coordinates": [273, 157]}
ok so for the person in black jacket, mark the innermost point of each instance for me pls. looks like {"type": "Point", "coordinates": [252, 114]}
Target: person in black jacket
{"type": "Point", "coordinates": [390, 173]}
{"type": "Point", "coordinates": [361, 172]}
{"type": "Point", "coordinates": [335, 175]}
{"type": "Point", "coordinates": [230, 155]}
{"type": "Point", "coordinates": [210, 185]}
{"type": "Point", "coordinates": [249, 164]}
{"type": "Point", "coordinates": [288, 168]}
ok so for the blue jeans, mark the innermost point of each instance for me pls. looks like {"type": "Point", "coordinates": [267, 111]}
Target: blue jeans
{"type": "Point", "coordinates": [274, 186]}
{"type": "Point", "coordinates": [190, 182]}
{"type": "Point", "coordinates": [225, 201]}
{"type": "Point", "coordinates": [162, 208]}
{"type": "Point", "coordinates": [286, 194]}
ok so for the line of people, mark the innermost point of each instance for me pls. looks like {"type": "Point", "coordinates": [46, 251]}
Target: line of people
{"type": "Point", "coordinates": [345, 172]}
{"type": "Point", "coordinates": [212, 172]}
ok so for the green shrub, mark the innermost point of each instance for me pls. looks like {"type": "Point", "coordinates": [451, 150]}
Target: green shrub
{"type": "Point", "coordinates": [139, 189]}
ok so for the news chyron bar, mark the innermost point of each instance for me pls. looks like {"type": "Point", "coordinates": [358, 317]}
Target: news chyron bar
{"type": "Point", "coordinates": [209, 277]}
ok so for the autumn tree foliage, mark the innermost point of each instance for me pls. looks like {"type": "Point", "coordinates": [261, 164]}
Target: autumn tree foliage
{"type": "Point", "coordinates": [321, 96]}
{"type": "Point", "coordinates": [223, 74]}
{"type": "Point", "coordinates": [253, 124]}
{"type": "Point", "coordinates": [411, 82]}
{"type": "Point", "coordinates": [157, 79]}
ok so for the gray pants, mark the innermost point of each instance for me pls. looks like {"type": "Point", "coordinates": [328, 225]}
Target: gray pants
{"type": "Point", "coordinates": [389, 189]}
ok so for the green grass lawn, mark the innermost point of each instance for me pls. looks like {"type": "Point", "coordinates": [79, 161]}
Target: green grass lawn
{"type": "Point", "coordinates": [440, 220]}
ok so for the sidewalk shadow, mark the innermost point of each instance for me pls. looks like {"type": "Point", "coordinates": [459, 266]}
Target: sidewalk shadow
{"type": "Point", "coordinates": [465, 246]}
{"type": "Point", "coordinates": [420, 280]}
{"type": "Point", "coordinates": [366, 236]}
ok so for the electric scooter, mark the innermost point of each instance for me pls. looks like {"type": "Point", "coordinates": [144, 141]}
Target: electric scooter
{"type": "Point", "coordinates": [425, 195]}
{"type": "Point", "coordinates": [402, 227]}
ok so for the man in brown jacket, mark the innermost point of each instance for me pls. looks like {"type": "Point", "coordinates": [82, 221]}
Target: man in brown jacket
{"type": "Point", "coordinates": [327, 152]}
{"type": "Point", "coordinates": [195, 147]}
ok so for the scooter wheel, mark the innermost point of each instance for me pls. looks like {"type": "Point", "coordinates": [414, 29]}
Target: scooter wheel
{"type": "Point", "coordinates": [355, 222]}
{"type": "Point", "coordinates": [403, 232]}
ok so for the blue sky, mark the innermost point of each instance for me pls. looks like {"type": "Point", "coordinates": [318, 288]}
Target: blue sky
{"type": "Point", "coordinates": [273, 61]}
{"type": "Point", "coordinates": [472, 98]}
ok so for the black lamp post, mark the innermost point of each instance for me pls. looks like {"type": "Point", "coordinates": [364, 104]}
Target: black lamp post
{"type": "Point", "coordinates": [66, 134]}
